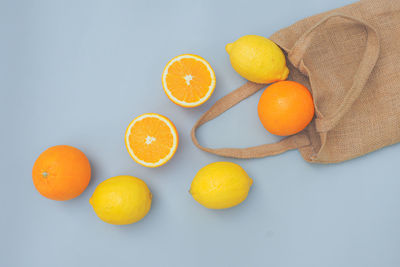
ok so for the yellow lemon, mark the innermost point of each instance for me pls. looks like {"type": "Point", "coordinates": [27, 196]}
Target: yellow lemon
{"type": "Point", "coordinates": [220, 185]}
{"type": "Point", "coordinates": [258, 59]}
{"type": "Point", "coordinates": [121, 200]}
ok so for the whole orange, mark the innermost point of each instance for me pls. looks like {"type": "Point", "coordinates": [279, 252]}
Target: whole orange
{"type": "Point", "coordinates": [285, 108]}
{"type": "Point", "coordinates": [61, 172]}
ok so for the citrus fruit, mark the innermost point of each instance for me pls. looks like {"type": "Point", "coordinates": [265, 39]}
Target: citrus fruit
{"type": "Point", "coordinates": [285, 108]}
{"type": "Point", "coordinates": [61, 172]}
{"type": "Point", "coordinates": [121, 200]}
{"type": "Point", "coordinates": [151, 139]}
{"type": "Point", "coordinates": [258, 59]}
{"type": "Point", "coordinates": [220, 185]}
{"type": "Point", "coordinates": [188, 80]}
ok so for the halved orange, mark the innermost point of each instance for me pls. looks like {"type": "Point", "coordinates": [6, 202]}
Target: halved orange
{"type": "Point", "coordinates": [188, 80]}
{"type": "Point", "coordinates": [151, 139]}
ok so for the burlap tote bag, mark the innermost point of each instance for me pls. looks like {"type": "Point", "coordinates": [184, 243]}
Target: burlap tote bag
{"type": "Point", "coordinates": [349, 58]}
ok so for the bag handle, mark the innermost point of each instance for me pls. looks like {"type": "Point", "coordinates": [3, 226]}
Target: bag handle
{"type": "Point", "coordinates": [368, 62]}
{"type": "Point", "coordinates": [228, 101]}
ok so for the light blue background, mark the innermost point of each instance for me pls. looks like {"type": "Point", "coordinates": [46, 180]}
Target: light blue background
{"type": "Point", "coordinates": [77, 72]}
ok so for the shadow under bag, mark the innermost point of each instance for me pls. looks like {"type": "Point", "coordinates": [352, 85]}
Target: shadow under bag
{"type": "Point", "coordinates": [349, 58]}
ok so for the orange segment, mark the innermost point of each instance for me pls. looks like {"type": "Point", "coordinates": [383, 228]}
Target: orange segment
{"type": "Point", "coordinates": [151, 139]}
{"type": "Point", "coordinates": [188, 80]}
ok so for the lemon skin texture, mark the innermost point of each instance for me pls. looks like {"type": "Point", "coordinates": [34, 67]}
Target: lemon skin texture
{"type": "Point", "coordinates": [121, 200]}
{"type": "Point", "coordinates": [258, 59]}
{"type": "Point", "coordinates": [220, 185]}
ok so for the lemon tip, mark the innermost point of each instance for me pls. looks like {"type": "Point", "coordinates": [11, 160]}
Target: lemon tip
{"type": "Point", "coordinates": [285, 73]}
{"type": "Point", "coordinates": [228, 48]}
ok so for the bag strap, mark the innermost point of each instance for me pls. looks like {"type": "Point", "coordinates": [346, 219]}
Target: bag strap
{"type": "Point", "coordinates": [368, 62]}
{"type": "Point", "coordinates": [231, 100]}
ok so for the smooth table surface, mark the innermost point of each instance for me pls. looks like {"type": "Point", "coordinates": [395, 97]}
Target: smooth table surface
{"type": "Point", "coordinates": [77, 72]}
